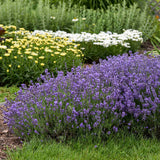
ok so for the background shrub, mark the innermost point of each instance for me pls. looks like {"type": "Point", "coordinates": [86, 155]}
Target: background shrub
{"type": "Point", "coordinates": [24, 14]}
{"type": "Point", "coordinates": [119, 93]}
{"type": "Point", "coordinates": [115, 18]}
{"type": "Point", "coordinates": [155, 6]}
{"type": "Point", "coordinates": [98, 4]}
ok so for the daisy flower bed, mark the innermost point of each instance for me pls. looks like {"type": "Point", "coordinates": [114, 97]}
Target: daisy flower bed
{"type": "Point", "coordinates": [96, 46]}
{"type": "Point", "coordinates": [23, 56]}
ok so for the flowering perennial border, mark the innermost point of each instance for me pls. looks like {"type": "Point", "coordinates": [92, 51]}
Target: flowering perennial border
{"type": "Point", "coordinates": [105, 39]}
{"type": "Point", "coordinates": [121, 92]}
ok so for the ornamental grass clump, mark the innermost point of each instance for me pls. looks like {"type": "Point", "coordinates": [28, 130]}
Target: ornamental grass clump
{"type": "Point", "coordinates": [122, 92]}
{"type": "Point", "coordinates": [24, 56]}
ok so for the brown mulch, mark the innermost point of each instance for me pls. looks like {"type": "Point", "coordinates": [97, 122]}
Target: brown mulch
{"type": "Point", "coordinates": [8, 140]}
{"type": "Point", "coordinates": [146, 46]}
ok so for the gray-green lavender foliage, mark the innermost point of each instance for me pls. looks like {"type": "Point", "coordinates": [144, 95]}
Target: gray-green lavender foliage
{"type": "Point", "coordinates": [122, 92]}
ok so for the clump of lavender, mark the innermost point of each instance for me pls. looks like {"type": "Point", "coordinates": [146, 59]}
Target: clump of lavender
{"type": "Point", "coordinates": [122, 92]}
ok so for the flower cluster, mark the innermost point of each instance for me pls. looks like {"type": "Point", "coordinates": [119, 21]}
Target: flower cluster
{"type": "Point", "coordinates": [105, 39]}
{"type": "Point", "coordinates": [120, 92]}
{"type": "Point", "coordinates": [23, 53]}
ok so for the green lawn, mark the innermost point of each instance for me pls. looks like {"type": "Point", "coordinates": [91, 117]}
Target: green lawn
{"type": "Point", "coordinates": [7, 93]}
{"type": "Point", "coordinates": [118, 148]}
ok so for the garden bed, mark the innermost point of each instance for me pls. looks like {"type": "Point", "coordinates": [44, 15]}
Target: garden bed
{"type": "Point", "coordinates": [9, 140]}
{"type": "Point", "coordinates": [22, 63]}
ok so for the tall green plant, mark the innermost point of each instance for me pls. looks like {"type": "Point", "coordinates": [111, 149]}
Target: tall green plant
{"type": "Point", "coordinates": [115, 19]}
{"type": "Point", "coordinates": [95, 4]}
{"type": "Point", "coordinates": [25, 14]}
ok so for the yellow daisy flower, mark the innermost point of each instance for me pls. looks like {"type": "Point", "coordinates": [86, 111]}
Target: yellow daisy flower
{"type": "Point", "coordinates": [41, 57]}
{"type": "Point", "coordinates": [30, 57]}
{"type": "Point", "coordinates": [63, 54]}
{"type": "Point", "coordinates": [42, 64]}
{"type": "Point", "coordinates": [6, 55]}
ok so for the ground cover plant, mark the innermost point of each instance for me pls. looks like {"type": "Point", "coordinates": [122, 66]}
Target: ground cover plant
{"type": "Point", "coordinates": [117, 94]}
{"type": "Point", "coordinates": [23, 57]}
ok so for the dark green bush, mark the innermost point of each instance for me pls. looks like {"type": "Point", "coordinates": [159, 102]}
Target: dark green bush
{"type": "Point", "coordinates": [95, 4]}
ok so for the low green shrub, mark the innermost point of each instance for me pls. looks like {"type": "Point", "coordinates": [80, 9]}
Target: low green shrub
{"type": "Point", "coordinates": [156, 44]}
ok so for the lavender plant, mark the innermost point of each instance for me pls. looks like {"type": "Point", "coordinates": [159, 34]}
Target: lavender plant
{"type": "Point", "coordinates": [122, 92]}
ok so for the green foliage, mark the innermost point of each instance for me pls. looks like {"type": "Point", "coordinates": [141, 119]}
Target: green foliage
{"type": "Point", "coordinates": [96, 4]}
{"type": "Point", "coordinates": [25, 14]}
{"type": "Point", "coordinates": [121, 147]}
{"type": "Point", "coordinates": [92, 53]}
{"type": "Point", "coordinates": [154, 6]}
{"type": "Point", "coordinates": [156, 44]}
{"type": "Point", "coordinates": [59, 17]}
{"type": "Point", "coordinates": [115, 19]}
{"type": "Point", "coordinates": [8, 93]}
{"type": "Point", "coordinates": [25, 57]}
{"type": "Point", "coordinates": [155, 40]}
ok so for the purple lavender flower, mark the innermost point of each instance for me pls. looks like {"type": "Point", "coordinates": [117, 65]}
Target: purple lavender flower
{"type": "Point", "coordinates": [115, 129]}
{"type": "Point", "coordinates": [102, 98]}
{"type": "Point", "coordinates": [95, 146]}
{"type": "Point", "coordinates": [36, 132]}
{"type": "Point", "coordinates": [82, 125]}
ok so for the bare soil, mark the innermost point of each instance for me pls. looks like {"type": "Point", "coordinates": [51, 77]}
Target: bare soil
{"type": "Point", "coordinates": [146, 46]}
{"type": "Point", "coordinates": [9, 140]}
